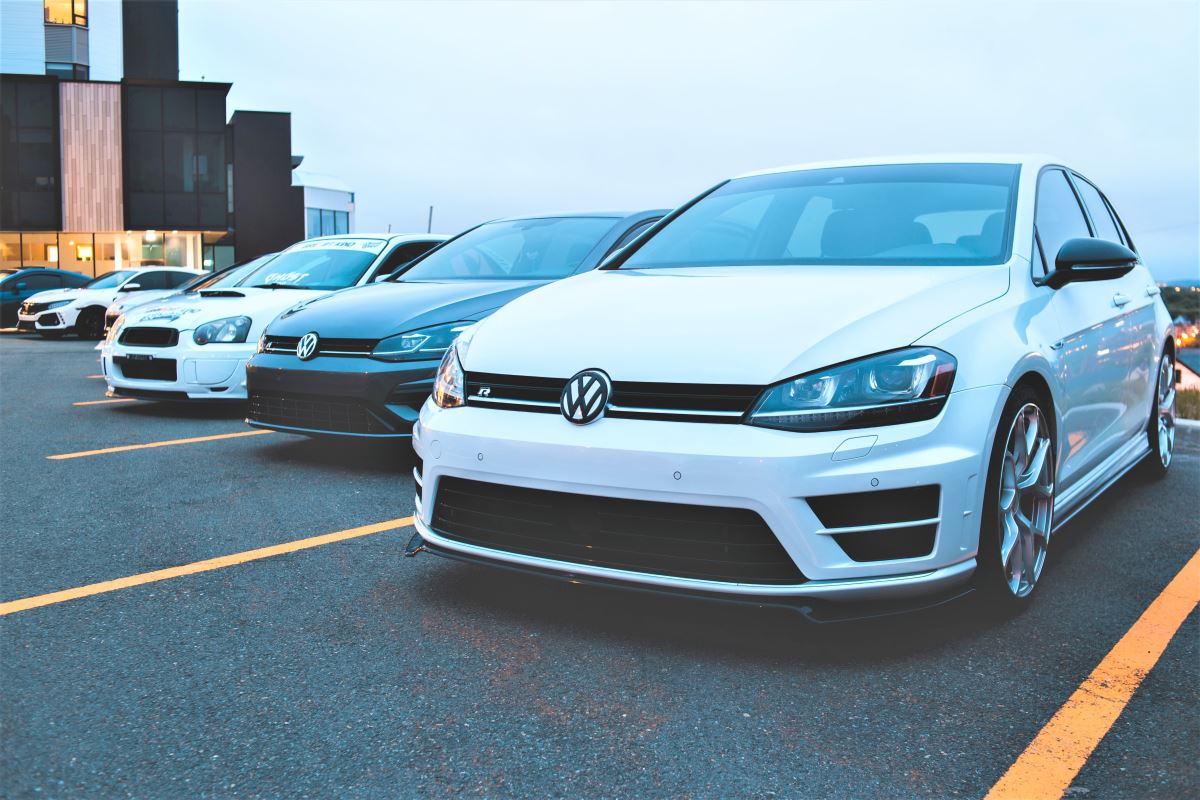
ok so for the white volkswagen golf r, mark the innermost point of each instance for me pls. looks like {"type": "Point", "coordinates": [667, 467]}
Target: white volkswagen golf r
{"type": "Point", "coordinates": [871, 381]}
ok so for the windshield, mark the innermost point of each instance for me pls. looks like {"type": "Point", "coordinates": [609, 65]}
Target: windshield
{"type": "Point", "coordinates": [324, 264]}
{"type": "Point", "coordinates": [523, 249]}
{"type": "Point", "coordinates": [903, 214]}
{"type": "Point", "coordinates": [110, 280]}
{"type": "Point", "coordinates": [226, 277]}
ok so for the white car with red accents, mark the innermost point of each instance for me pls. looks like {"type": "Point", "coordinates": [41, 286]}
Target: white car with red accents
{"type": "Point", "coordinates": [195, 346]}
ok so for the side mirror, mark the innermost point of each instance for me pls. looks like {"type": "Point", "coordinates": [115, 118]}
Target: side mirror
{"type": "Point", "coordinates": [1090, 260]}
{"type": "Point", "coordinates": [131, 287]}
{"type": "Point", "coordinates": [21, 286]}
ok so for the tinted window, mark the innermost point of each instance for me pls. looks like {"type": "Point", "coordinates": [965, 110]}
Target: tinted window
{"type": "Point", "coordinates": [70, 279]}
{"type": "Point", "coordinates": [148, 281]}
{"type": "Point", "coordinates": [37, 282]}
{"type": "Point", "coordinates": [325, 264]}
{"type": "Point", "coordinates": [175, 279]}
{"type": "Point", "coordinates": [1098, 210]}
{"type": "Point", "coordinates": [402, 255]}
{"type": "Point", "coordinates": [922, 214]}
{"type": "Point", "coordinates": [523, 249]}
{"type": "Point", "coordinates": [1059, 216]}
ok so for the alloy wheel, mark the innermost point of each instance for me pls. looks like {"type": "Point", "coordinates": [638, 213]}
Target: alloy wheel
{"type": "Point", "coordinates": [1026, 502]}
{"type": "Point", "coordinates": [1165, 406]}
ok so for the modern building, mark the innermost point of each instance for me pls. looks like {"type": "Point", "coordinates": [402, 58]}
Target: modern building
{"type": "Point", "coordinates": [109, 160]}
{"type": "Point", "coordinates": [328, 204]}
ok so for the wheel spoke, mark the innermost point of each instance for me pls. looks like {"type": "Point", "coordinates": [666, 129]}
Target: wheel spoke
{"type": "Point", "coordinates": [1031, 436]}
{"type": "Point", "coordinates": [1008, 546]}
{"type": "Point", "coordinates": [1033, 472]}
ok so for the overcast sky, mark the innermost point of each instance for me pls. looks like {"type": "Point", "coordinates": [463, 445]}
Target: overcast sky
{"type": "Point", "coordinates": [495, 109]}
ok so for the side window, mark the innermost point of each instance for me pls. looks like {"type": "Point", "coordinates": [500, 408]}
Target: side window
{"type": "Point", "coordinates": [38, 282]}
{"type": "Point", "coordinates": [175, 279]}
{"type": "Point", "coordinates": [633, 233]}
{"type": "Point", "coordinates": [1126, 239]}
{"type": "Point", "coordinates": [147, 281]}
{"type": "Point", "coordinates": [1059, 216]}
{"type": "Point", "coordinates": [402, 255]}
{"type": "Point", "coordinates": [71, 280]}
{"type": "Point", "coordinates": [1098, 211]}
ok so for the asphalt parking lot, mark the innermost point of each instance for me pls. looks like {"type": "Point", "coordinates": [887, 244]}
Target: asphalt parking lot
{"type": "Point", "coordinates": [343, 669]}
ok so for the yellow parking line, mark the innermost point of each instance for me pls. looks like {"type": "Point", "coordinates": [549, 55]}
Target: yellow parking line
{"type": "Point", "coordinates": [95, 376]}
{"type": "Point", "coordinates": [124, 447]}
{"type": "Point", "coordinates": [26, 603]}
{"type": "Point", "coordinates": [1059, 751]}
{"type": "Point", "coordinates": [105, 402]}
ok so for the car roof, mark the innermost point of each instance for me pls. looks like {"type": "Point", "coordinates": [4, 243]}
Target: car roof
{"type": "Point", "coordinates": [584, 214]}
{"type": "Point", "coordinates": [390, 237]}
{"type": "Point", "coordinates": [1034, 160]}
{"type": "Point", "coordinates": [167, 269]}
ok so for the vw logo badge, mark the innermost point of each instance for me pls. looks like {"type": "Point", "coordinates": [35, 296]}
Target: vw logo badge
{"type": "Point", "coordinates": [585, 396]}
{"type": "Point", "coordinates": [306, 348]}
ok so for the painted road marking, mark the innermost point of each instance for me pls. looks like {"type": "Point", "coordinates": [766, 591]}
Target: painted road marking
{"type": "Point", "coordinates": [95, 376]}
{"type": "Point", "coordinates": [26, 603]}
{"type": "Point", "coordinates": [1063, 746]}
{"type": "Point", "coordinates": [106, 402]}
{"type": "Point", "coordinates": [124, 447]}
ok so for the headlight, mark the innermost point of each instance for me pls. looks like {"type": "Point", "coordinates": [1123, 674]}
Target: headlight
{"type": "Point", "coordinates": [114, 328]}
{"type": "Point", "coordinates": [448, 388]}
{"type": "Point", "coordinates": [58, 304]}
{"type": "Point", "coordinates": [421, 345]}
{"type": "Point", "coordinates": [262, 342]}
{"type": "Point", "coordinates": [901, 386]}
{"type": "Point", "coordinates": [230, 329]}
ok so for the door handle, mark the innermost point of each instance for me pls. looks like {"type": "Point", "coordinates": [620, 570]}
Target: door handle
{"type": "Point", "coordinates": [1058, 345]}
{"type": "Point", "coordinates": [1152, 290]}
{"type": "Point", "coordinates": [1120, 299]}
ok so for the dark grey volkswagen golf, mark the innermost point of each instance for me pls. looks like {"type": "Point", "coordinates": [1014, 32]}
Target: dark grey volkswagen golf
{"type": "Point", "coordinates": [360, 362]}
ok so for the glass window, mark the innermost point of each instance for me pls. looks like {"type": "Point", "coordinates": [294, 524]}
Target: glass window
{"type": "Point", "coordinates": [41, 250]}
{"type": "Point", "coordinates": [175, 279]}
{"type": "Point", "coordinates": [1098, 211]}
{"type": "Point", "coordinates": [149, 281]}
{"type": "Point", "coordinates": [210, 110]}
{"type": "Point", "coordinates": [210, 162]}
{"type": "Point", "coordinates": [179, 109]}
{"type": "Point", "coordinates": [326, 264]}
{"type": "Point", "coordinates": [179, 162]}
{"type": "Point", "coordinates": [1059, 216]}
{"type": "Point", "coordinates": [326, 222]}
{"type": "Point", "coordinates": [402, 255]}
{"type": "Point", "coordinates": [341, 222]}
{"type": "Point", "coordinates": [633, 233]}
{"type": "Point", "coordinates": [10, 250]}
{"type": "Point", "coordinates": [66, 12]}
{"type": "Point", "coordinates": [898, 214]}
{"type": "Point", "coordinates": [523, 249]}
{"type": "Point", "coordinates": [313, 227]}
{"type": "Point", "coordinates": [143, 108]}
{"type": "Point", "coordinates": [39, 281]}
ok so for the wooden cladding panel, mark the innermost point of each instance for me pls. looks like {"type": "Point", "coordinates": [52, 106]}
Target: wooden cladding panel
{"type": "Point", "coordinates": [91, 157]}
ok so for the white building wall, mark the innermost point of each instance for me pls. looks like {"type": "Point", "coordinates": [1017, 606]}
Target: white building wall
{"type": "Point", "coordinates": [316, 197]}
{"type": "Point", "coordinates": [107, 57]}
{"type": "Point", "coordinates": [22, 37]}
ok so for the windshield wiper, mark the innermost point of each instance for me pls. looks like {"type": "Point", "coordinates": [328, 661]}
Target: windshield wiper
{"type": "Point", "coordinates": [278, 286]}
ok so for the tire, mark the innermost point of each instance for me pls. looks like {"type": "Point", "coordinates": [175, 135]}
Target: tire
{"type": "Point", "coordinates": [1160, 431]}
{"type": "Point", "coordinates": [1018, 505]}
{"type": "Point", "coordinates": [90, 324]}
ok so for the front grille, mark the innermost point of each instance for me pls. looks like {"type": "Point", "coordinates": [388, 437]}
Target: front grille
{"type": "Point", "coordinates": [684, 402]}
{"type": "Point", "coordinates": [286, 345]}
{"type": "Point", "coordinates": [146, 369]}
{"type": "Point", "coordinates": [29, 309]}
{"type": "Point", "coordinates": [314, 413]}
{"type": "Point", "coordinates": [686, 541]}
{"type": "Point", "coordinates": [150, 337]}
{"type": "Point", "coordinates": [881, 526]}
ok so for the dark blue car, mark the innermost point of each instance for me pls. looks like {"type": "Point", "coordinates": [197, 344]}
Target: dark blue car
{"type": "Point", "coordinates": [16, 285]}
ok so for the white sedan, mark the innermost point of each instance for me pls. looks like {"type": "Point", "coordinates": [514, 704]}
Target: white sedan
{"type": "Point", "coordinates": [857, 381]}
{"type": "Point", "coordinates": [81, 310]}
{"type": "Point", "coordinates": [195, 346]}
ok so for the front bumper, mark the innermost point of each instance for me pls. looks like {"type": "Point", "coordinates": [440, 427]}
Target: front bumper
{"type": "Point", "coordinates": [186, 371]}
{"type": "Point", "coordinates": [59, 319]}
{"type": "Point", "coordinates": [772, 473]}
{"type": "Point", "coordinates": [337, 395]}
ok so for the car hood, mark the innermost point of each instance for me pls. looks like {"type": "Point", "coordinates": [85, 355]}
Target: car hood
{"type": "Point", "coordinates": [187, 311]}
{"type": "Point", "coordinates": [382, 309]}
{"type": "Point", "coordinates": [131, 300]}
{"type": "Point", "coordinates": [737, 325]}
{"type": "Point", "coordinates": [104, 296]}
